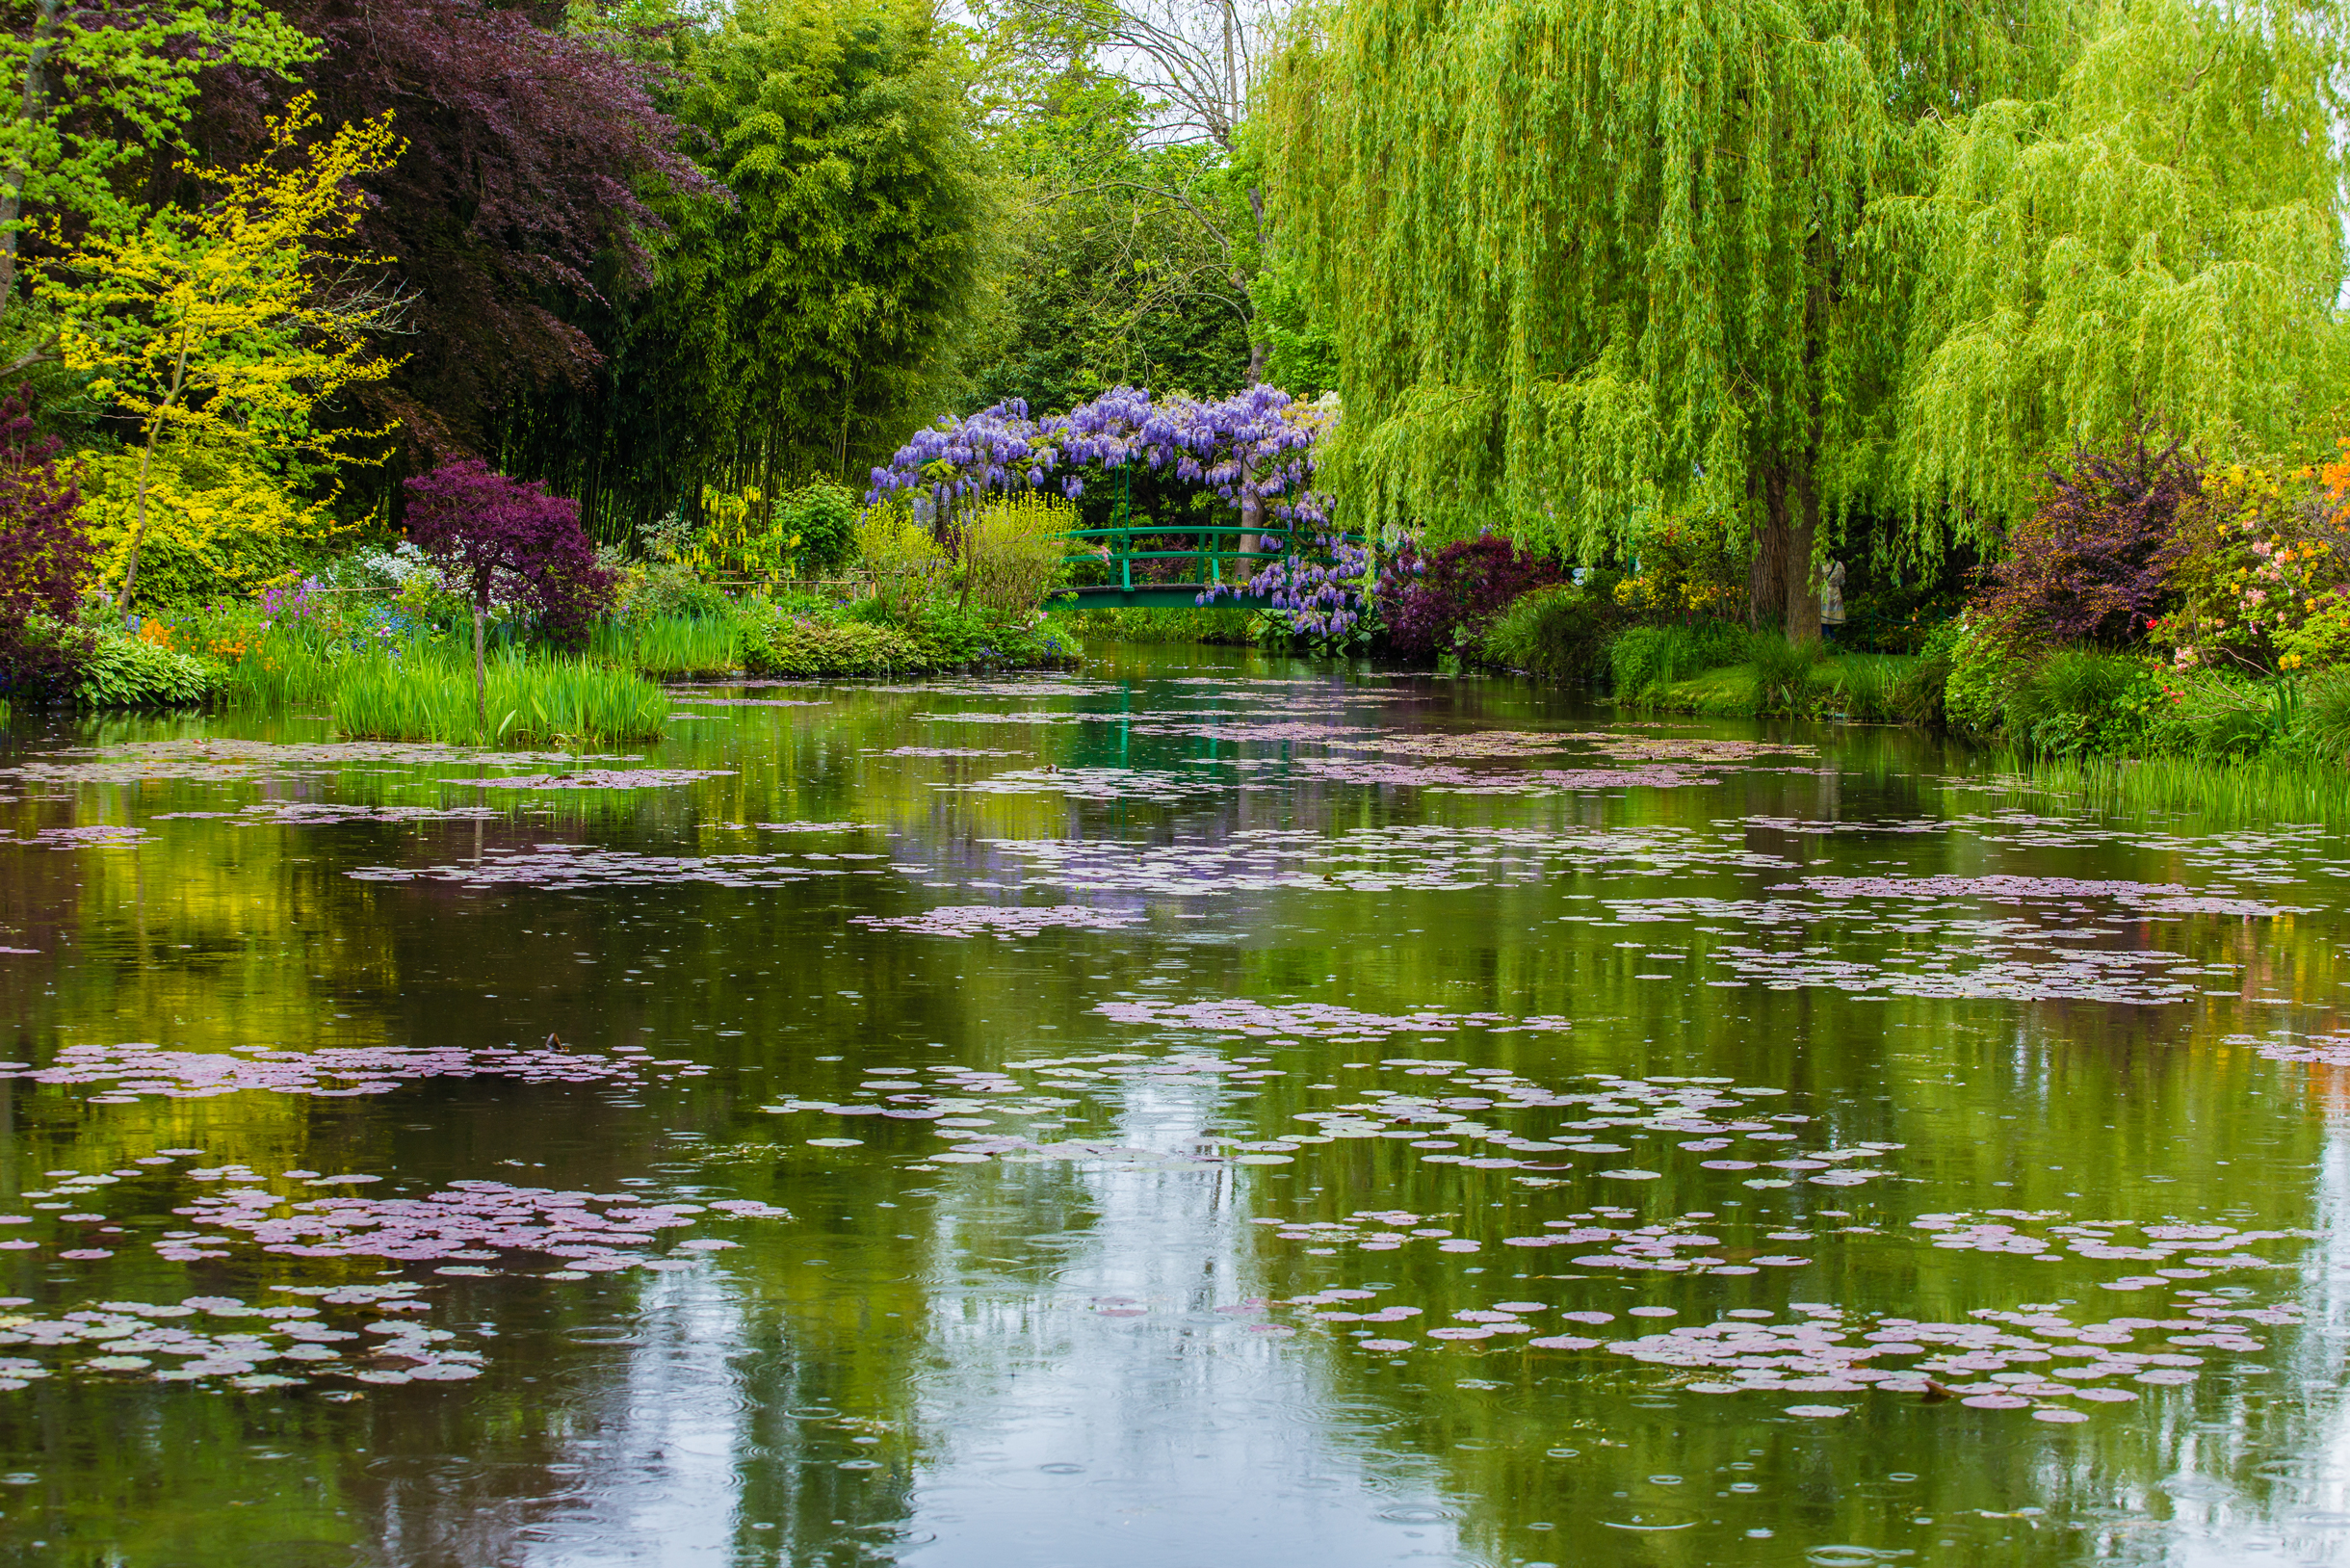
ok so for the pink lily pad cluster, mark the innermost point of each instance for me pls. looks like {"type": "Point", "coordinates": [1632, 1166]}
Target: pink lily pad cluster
{"type": "Point", "coordinates": [231, 759]}
{"type": "Point", "coordinates": [1402, 857]}
{"type": "Point", "coordinates": [1000, 920]}
{"type": "Point", "coordinates": [1095, 784]}
{"type": "Point", "coordinates": [754, 702]}
{"type": "Point", "coordinates": [225, 1342]}
{"type": "Point", "coordinates": [2166, 898]}
{"type": "Point", "coordinates": [1446, 779]}
{"type": "Point", "coordinates": [331, 813]}
{"type": "Point", "coordinates": [605, 779]}
{"type": "Point", "coordinates": [2039, 1360]}
{"type": "Point", "coordinates": [2317, 1049]}
{"type": "Point", "coordinates": [1314, 1020]}
{"type": "Point", "coordinates": [945, 752]}
{"type": "Point", "coordinates": [593, 1233]}
{"type": "Point", "coordinates": [132, 1071]}
{"type": "Point", "coordinates": [2191, 1252]}
{"type": "Point", "coordinates": [568, 866]}
{"type": "Point", "coordinates": [93, 836]}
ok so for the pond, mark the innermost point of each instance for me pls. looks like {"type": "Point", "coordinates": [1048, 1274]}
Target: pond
{"type": "Point", "coordinates": [1208, 1107]}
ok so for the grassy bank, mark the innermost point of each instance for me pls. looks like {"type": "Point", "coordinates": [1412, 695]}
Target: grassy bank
{"type": "Point", "coordinates": [1723, 671]}
{"type": "Point", "coordinates": [1221, 626]}
{"type": "Point", "coordinates": [409, 686]}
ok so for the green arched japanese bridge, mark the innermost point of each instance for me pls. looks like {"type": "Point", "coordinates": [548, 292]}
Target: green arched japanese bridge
{"type": "Point", "coordinates": [1130, 586]}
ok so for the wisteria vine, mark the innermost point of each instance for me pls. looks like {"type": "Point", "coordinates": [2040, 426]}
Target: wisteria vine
{"type": "Point", "coordinates": [1258, 443]}
{"type": "Point", "coordinates": [1323, 587]}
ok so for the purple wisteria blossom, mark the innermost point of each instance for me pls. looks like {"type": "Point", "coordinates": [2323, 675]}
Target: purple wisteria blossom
{"type": "Point", "coordinates": [1324, 588]}
{"type": "Point", "coordinates": [1260, 442]}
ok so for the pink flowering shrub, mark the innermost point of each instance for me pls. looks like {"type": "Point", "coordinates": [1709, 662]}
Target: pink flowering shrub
{"type": "Point", "coordinates": [2264, 573]}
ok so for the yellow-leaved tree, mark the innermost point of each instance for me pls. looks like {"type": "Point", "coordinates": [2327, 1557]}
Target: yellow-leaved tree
{"type": "Point", "coordinates": [230, 325]}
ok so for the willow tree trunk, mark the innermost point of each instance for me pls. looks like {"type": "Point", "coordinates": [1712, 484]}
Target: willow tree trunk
{"type": "Point", "coordinates": [1766, 574]}
{"type": "Point", "coordinates": [1780, 587]}
{"type": "Point", "coordinates": [1801, 584]}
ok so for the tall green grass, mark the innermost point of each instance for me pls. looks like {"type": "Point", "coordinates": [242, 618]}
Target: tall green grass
{"type": "Point", "coordinates": [672, 645]}
{"type": "Point", "coordinates": [1865, 685]}
{"type": "Point", "coordinates": [2253, 789]}
{"type": "Point", "coordinates": [1645, 660]}
{"type": "Point", "coordinates": [423, 697]}
{"type": "Point", "coordinates": [284, 672]}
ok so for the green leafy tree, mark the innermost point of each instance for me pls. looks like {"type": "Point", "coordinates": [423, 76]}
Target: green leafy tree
{"type": "Point", "coordinates": [230, 325]}
{"type": "Point", "coordinates": [105, 84]}
{"type": "Point", "coordinates": [1133, 260]}
{"type": "Point", "coordinates": [1589, 265]}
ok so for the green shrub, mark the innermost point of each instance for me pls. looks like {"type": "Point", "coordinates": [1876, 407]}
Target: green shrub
{"type": "Point", "coordinates": [804, 646]}
{"type": "Point", "coordinates": [1785, 673]}
{"type": "Point", "coordinates": [1557, 632]}
{"type": "Point", "coordinates": [668, 591]}
{"type": "Point", "coordinates": [1864, 686]}
{"type": "Point", "coordinates": [1918, 695]}
{"type": "Point", "coordinates": [2325, 715]}
{"type": "Point", "coordinates": [824, 517]}
{"type": "Point", "coordinates": [1016, 551]}
{"type": "Point", "coordinates": [2079, 699]}
{"type": "Point", "coordinates": [900, 558]}
{"type": "Point", "coordinates": [950, 634]}
{"type": "Point", "coordinates": [1983, 676]}
{"type": "Point", "coordinates": [2219, 714]}
{"type": "Point", "coordinates": [124, 671]}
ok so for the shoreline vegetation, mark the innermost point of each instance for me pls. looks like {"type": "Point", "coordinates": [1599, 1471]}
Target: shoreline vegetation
{"type": "Point", "coordinates": [258, 457]}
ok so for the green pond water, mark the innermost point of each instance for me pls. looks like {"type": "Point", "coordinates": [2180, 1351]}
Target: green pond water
{"type": "Point", "coordinates": [1206, 1110]}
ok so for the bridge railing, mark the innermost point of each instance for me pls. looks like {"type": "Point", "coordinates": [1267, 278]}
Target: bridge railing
{"type": "Point", "coordinates": [1120, 553]}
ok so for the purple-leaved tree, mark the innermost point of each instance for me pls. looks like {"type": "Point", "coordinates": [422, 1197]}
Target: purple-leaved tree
{"type": "Point", "coordinates": [45, 557]}
{"type": "Point", "coordinates": [497, 538]}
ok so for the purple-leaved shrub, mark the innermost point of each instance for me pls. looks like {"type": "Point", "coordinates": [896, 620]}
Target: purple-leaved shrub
{"type": "Point", "coordinates": [45, 558]}
{"type": "Point", "coordinates": [2093, 563]}
{"type": "Point", "coordinates": [1434, 603]}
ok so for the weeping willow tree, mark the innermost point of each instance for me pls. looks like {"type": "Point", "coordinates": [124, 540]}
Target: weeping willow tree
{"type": "Point", "coordinates": [2161, 237]}
{"type": "Point", "coordinates": [1591, 264]}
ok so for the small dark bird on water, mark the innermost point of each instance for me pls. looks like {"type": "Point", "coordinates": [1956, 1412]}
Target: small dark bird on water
{"type": "Point", "coordinates": [555, 1042]}
{"type": "Point", "coordinates": [1934, 1393]}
